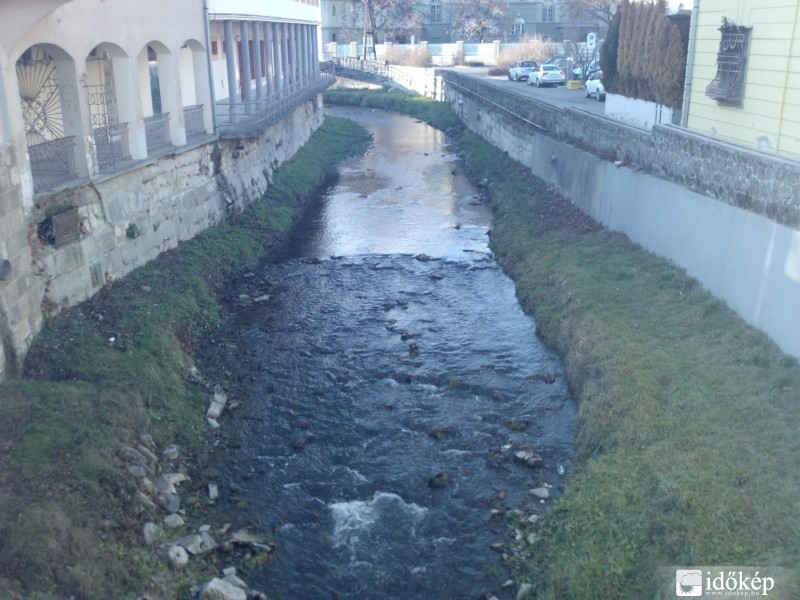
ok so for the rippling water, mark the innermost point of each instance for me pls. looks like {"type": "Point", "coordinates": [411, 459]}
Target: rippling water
{"type": "Point", "coordinates": [384, 396]}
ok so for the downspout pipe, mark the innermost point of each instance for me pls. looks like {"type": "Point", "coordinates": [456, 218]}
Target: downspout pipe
{"type": "Point", "coordinates": [687, 86]}
{"type": "Point", "coordinates": [210, 69]}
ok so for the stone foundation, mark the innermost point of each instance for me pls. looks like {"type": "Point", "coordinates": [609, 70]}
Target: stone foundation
{"type": "Point", "coordinates": [127, 220]}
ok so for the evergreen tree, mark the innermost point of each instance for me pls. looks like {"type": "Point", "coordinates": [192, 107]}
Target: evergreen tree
{"type": "Point", "coordinates": [650, 58]}
{"type": "Point", "coordinates": [671, 73]}
{"type": "Point", "coordinates": [608, 55]}
{"type": "Point", "coordinates": [626, 52]}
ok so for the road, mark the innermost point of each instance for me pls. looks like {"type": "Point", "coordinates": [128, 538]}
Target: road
{"type": "Point", "coordinates": [558, 96]}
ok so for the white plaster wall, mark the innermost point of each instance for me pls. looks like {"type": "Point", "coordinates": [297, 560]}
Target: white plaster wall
{"type": "Point", "coordinates": [279, 10]}
{"type": "Point", "coordinates": [635, 112]}
{"type": "Point", "coordinates": [80, 25]}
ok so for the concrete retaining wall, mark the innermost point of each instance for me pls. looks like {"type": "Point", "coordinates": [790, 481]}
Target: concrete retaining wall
{"type": "Point", "coordinates": [129, 219]}
{"type": "Point", "coordinates": [729, 216]}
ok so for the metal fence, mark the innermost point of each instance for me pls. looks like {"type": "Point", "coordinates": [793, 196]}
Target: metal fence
{"type": "Point", "coordinates": [237, 119]}
{"type": "Point", "coordinates": [193, 121]}
{"type": "Point", "coordinates": [379, 68]}
{"type": "Point", "coordinates": [157, 133]}
{"type": "Point", "coordinates": [52, 163]}
{"type": "Point", "coordinates": [111, 147]}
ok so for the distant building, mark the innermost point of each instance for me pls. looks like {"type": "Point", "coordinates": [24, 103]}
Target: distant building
{"type": "Point", "coordinates": [745, 84]}
{"type": "Point", "coordinates": [342, 21]}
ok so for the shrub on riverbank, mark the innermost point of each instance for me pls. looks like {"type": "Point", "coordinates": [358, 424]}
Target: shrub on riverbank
{"type": "Point", "coordinates": [110, 369]}
{"type": "Point", "coordinates": [687, 445]}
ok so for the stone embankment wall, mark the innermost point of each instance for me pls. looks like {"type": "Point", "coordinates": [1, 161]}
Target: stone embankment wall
{"type": "Point", "coordinates": [728, 215]}
{"type": "Point", "coordinates": [129, 219]}
{"type": "Point", "coordinates": [20, 312]}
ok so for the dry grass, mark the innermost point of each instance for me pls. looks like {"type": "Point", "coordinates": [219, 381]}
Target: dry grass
{"type": "Point", "coordinates": [418, 56]}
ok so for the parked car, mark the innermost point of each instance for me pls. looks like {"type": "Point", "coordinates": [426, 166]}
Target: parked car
{"type": "Point", "coordinates": [563, 63]}
{"type": "Point", "coordinates": [521, 69]}
{"type": "Point", "coordinates": [547, 75]}
{"type": "Point", "coordinates": [594, 87]}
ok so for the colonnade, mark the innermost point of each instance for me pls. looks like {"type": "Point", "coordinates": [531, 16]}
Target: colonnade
{"type": "Point", "coordinates": [278, 57]}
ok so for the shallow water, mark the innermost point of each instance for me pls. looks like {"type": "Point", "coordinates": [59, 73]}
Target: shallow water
{"type": "Point", "coordinates": [368, 373]}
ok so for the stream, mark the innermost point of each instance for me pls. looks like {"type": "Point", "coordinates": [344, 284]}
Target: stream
{"type": "Point", "coordinates": [388, 377]}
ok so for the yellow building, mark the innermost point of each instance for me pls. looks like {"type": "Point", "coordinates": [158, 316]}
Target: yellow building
{"type": "Point", "coordinates": [745, 73]}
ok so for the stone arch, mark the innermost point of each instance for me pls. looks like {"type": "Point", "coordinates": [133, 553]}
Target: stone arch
{"type": "Point", "coordinates": [152, 66]}
{"type": "Point", "coordinates": [50, 104]}
{"type": "Point", "coordinates": [157, 69]}
{"type": "Point", "coordinates": [195, 90]}
{"type": "Point", "coordinates": [109, 91]}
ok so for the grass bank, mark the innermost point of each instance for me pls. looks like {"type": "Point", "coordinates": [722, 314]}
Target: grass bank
{"type": "Point", "coordinates": [115, 367]}
{"type": "Point", "coordinates": [688, 450]}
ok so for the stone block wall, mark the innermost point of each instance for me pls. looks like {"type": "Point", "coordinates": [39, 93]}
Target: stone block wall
{"type": "Point", "coordinates": [128, 219]}
{"type": "Point", "coordinates": [20, 316]}
{"type": "Point", "coordinates": [760, 183]}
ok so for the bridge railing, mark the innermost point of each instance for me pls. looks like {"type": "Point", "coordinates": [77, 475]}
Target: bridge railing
{"type": "Point", "coordinates": [379, 68]}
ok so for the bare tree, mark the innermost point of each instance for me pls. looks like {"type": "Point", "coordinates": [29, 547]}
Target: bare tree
{"type": "Point", "coordinates": [476, 19]}
{"type": "Point", "coordinates": [595, 10]}
{"type": "Point", "coordinates": [395, 20]}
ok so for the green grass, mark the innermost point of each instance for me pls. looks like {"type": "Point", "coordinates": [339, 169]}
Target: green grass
{"type": "Point", "coordinates": [687, 445]}
{"type": "Point", "coordinates": [688, 426]}
{"type": "Point", "coordinates": [432, 112]}
{"type": "Point", "coordinates": [68, 527]}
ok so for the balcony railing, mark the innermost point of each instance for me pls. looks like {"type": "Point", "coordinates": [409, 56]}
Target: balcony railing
{"type": "Point", "coordinates": [193, 121]}
{"type": "Point", "coordinates": [111, 147]}
{"type": "Point", "coordinates": [250, 118]}
{"type": "Point", "coordinates": [52, 163]}
{"type": "Point", "coordinates": [156, 130]}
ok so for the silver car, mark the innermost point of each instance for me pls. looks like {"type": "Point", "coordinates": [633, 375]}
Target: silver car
{"type": "Point", "coordinates": [521, 70]}
{"type": "Point", "coordinates": [594, 86]}
{"type": "Point", "coordinates": [547, 75]}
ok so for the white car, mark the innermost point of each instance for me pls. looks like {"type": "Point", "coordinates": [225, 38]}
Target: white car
{"type": "Point", "coordinates": [521, 70]}
{"type": "Point", "coordinates": [547, 75]}
{"type": "Point", "coordinates": [594, 86]}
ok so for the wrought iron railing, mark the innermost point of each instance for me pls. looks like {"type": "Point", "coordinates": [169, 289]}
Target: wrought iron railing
{"type": "Point", "coordinates": [111, 147]}
{"type": "Point", "coordinates": [156, 130]}
{"type": "Point", "coordinates": [193, 121]}
{"type": "Point", "coordinates": [249, 118]}
{"type": "Point", "coordinates": [52, 163]}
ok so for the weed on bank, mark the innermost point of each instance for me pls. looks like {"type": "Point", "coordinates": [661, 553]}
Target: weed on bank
{"type": "Point", "coordinates": [688, 450]}
{"type": "Point", "coordinates": [104, 372]}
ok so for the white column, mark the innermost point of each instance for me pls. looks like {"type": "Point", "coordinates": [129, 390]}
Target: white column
{"type": "Point", "coordinates": [315, 50]}
{"type": "Point", "coordinates": [230, 57]}
{"type": "Point", "coordinates": [171, 97]}
{"type": "Point", "coordinates": [306, 52]}
{"type": "Point", "coordinates": [245, 66]}
{"type": "Point", "coordinates": [284, 45]}
{"type": "Point", "coordinates": [269, 39]}
{"type": "Point", "coordinates": [258, 65]}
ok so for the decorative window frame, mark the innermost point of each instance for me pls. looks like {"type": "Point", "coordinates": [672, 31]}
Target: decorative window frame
{"type": "Point", "coordinates": [436, 11]}
{"type": "Point", "coordinates": [727, 87]}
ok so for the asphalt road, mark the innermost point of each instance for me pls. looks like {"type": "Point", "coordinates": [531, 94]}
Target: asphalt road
{"type": "Point", "coordinates": [558, 96]}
